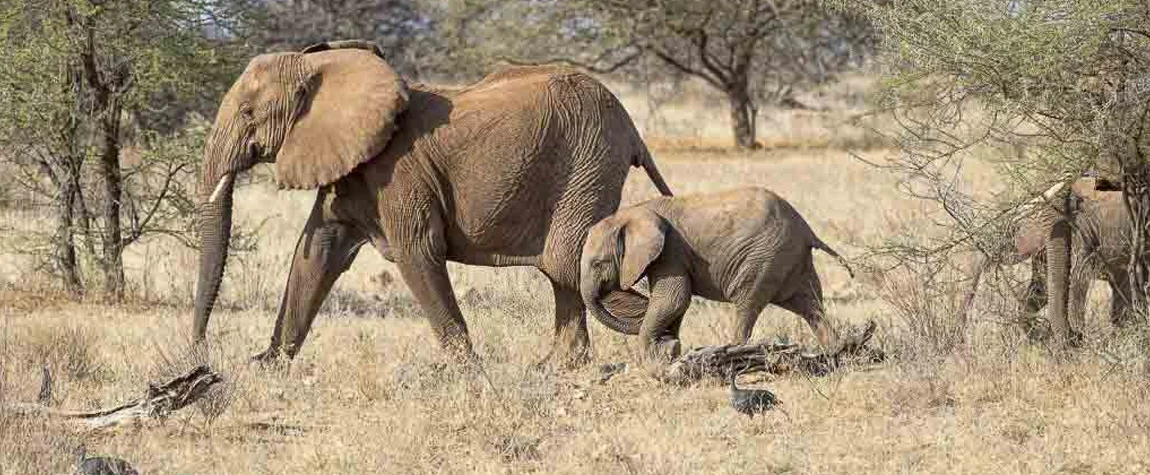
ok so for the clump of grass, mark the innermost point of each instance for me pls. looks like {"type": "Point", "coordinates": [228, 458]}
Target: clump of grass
{"type": "Point", "coordinates": [70, 352]}
{"type": "Point", "coordinates": [923, 297]}
{"type": "Point", "coordinates": [35, 445]}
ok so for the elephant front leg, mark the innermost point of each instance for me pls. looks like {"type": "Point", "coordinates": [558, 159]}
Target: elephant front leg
{"type": "Point", "coordinates": [1083, 271]}
{"type": "Point", "coordinates": [324, 251]}
{"type": "Point", "coordinates": [1120, 314]}
{"type": "Point", "coordinates": [429, 282]}
{"type": "Point", "coordinates": [415, 234]}
{"type": "Point", "coordinates": [1034, 300]}
{"type": "Point", "coordinates": [670, 298]}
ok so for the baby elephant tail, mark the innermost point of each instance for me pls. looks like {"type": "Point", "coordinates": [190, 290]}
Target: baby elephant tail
{"type": "Point", "coordinates": [819, 244]}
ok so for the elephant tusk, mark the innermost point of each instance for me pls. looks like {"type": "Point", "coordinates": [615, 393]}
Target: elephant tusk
{"type": "Point", "coordinates": [1053, 190]}
{"type": "Point", "coordinates": [1045, 197]}
{"type": "Point", "coordinates": [225, 183]}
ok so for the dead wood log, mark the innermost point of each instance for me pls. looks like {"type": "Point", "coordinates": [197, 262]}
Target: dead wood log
{"type": "Point", "coordinates": [157, 402]}
{"type": "Point", "coordinates": [776, 358]}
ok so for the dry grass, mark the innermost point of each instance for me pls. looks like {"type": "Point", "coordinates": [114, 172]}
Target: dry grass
{"type": "Point", "coordinates": [372, 395]}
{"type": "Point", "coordinates": [691, 116]}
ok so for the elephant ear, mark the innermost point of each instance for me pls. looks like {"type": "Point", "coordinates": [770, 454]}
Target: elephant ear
{"type": "Point", "coordinates": [1103, 184]}
{"type": "Point", "coordinates": [641, 239]}
{"type": "Point", "coordinates": [349, 104]}
{"type": "Point", "coordinates": [1086, 188]}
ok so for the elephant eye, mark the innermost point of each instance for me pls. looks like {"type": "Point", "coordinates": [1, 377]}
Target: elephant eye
{"type": "Point", "coordinates": [247, 112]}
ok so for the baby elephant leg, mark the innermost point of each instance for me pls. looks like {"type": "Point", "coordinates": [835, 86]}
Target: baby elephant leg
{"type": "Point", "coordinates": [670, 297]}
{"type": "Point", "coordinates": [746, 315]}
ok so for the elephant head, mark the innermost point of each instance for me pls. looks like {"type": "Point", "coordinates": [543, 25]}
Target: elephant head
{"type": "Point", "coordinates": [615, 256]}
{"type": "Point", "coordinates": [316, 115]}
{"type": "Point", "coordinates": [1051, 232]}
{"type": "Point", "coordinates": [1042, 226]}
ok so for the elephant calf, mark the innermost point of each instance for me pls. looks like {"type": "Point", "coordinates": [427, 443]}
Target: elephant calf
{"type": "Point", "coordinates": [746, 246]}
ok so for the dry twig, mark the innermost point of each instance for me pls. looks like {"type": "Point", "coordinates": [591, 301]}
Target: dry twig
{"type": "Point", "coordinates": [157, 402]}
{"type": "Point", "coordinates": [776, 358]}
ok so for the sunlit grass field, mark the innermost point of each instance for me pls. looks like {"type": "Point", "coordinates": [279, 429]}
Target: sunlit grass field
{"type": "Point", "coordinates": [370, 392]}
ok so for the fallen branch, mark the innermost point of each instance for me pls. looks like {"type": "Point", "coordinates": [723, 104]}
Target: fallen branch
{"type": "Point", "coordinates": [157, 403]}
{"type": "Point", "coordinates": [775, 358]}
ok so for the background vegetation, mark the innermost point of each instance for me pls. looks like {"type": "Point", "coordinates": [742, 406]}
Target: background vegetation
{"type": "Point", "coordinates": [906, 131]}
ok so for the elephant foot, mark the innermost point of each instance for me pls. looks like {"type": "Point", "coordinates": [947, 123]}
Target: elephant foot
{"type": "Point", "coordinates": [462, 358]}
{"type": "Point", "coordinates": [459, 350]}
{"type": "Point", "coordinates": [1037, 331]}
{"type": "Point", "coordinates": [1076, 339]}
{"type": "Point", "coordinates": [1040, 332]}
{"type": "Point", "coordinates": [271, 358]}
{"type": "Point", "coordinates": [569, 360]}
{"type": "Point", "coordinates": [664, 349]}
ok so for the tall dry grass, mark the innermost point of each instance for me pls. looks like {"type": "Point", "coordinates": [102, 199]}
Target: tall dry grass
{"type": "Point", "coordinates": [370, 393]}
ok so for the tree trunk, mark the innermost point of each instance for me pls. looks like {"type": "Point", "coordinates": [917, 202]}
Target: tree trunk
{"type": "Point", "coordinates": [82, 216]}
{"type": "Point", "coordinates": [113, 245]}
{"type": "Point", "coordinates": [1136, 196]}
{"type": "Point", "coordinates": [107, 86]}
{"type": "Point", "coordinates": [742, 115]}
{"type": "Point", "coordinates": [64, 243]}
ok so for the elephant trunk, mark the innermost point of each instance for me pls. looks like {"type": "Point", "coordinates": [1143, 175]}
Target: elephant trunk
{"type": "Point", "coordinates": [1058, 280]}
{"type": "Point", "coordinates": [621, 311]}
{"type": "Point", "coordinates": [215, 227]}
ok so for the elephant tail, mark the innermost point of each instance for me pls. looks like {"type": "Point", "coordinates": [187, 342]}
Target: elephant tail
{"type": "Point", "coordinates": [819, 244]}
{"type": "Point", "coordinates": [648, 165]}
{"type": "Point", "coordinates": [643, 159]}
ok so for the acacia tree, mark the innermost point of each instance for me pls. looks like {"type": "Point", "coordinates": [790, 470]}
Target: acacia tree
{"type": "Point", "coordinates": [74, 76]}
{"type": "Point", "coordinates": [736, 47]}
{"type": "Point", "coordinates": [403, 29]}
{"type": "Point", "coordinates": [1045, 91]}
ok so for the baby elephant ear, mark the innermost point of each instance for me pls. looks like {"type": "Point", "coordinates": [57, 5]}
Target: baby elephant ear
{"type": "Point", "coordinates": [348, 114]}
{"type": "Point", "coordinates": [641, 237]}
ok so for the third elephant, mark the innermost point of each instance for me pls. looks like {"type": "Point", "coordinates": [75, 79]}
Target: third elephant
{"type": "Point", "coordinates": [1100, 240]}
{"type": "Point", "coordinates": [1101, 252]}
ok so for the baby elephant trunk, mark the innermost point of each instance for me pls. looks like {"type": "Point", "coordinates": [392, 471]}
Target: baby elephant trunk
{"type": "Point", "coordinates": [621, 311]}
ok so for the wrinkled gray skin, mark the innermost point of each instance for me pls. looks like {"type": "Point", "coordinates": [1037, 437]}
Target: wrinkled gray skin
{"type": "Point", "coordinates": [510, 171]}
{"type": "Point", "coordinates": [746, 246]}
{"type": "Point", "coordinates": [1098, 248]}
{"type": "Point", "coordinates": [1101, 251]}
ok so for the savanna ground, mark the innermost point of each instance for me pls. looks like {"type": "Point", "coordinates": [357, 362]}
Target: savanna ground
{"type": "Point", "coordinates": [369, 393]}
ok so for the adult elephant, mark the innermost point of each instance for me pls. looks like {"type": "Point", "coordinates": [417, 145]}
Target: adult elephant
{"type": "Point", "coordinates": [510, 171]}
{"type": "Point", "coordinates": [1098, 252]}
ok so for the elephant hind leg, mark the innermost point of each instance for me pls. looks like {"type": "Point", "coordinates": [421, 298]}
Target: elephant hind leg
{"type": "Point", "coordinates": [746, 315]}
{"type": "Point", "coordinates": [807, 302]}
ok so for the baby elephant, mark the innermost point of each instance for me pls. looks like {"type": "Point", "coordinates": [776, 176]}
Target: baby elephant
{"type": "Point", "coordinates": [747, 246]}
